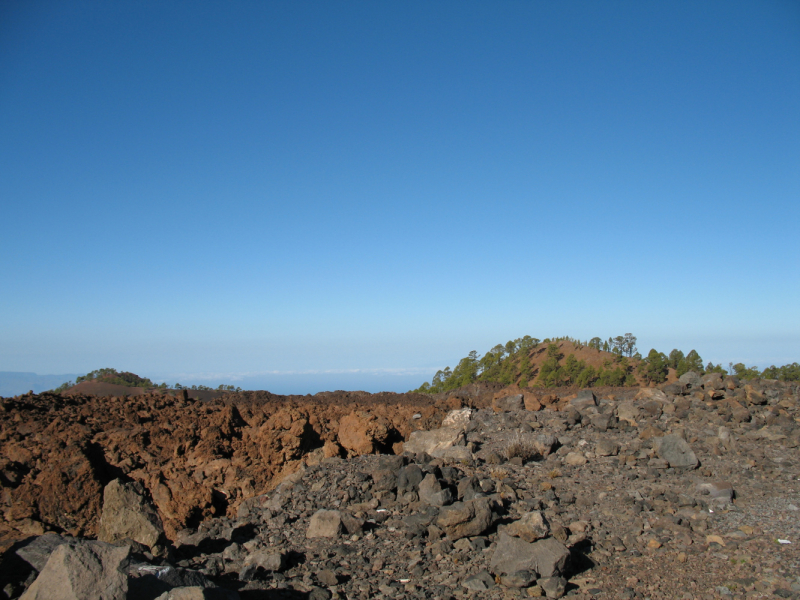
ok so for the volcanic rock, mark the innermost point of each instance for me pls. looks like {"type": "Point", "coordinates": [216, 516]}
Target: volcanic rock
{"type": "Point", "coordinates": [325, 523]}
{"type": "Point", "coordinates": [547, 557]}
{"type": "Point", "coordinates": [530, 527]}
{"type": "Point", "coordinates": [431, 492]}
{"type": "Point", "coordinates": [676, 451]}
{"type": "Point", "coordinates": [434, 441]}
{"type": "Point", "coordinates": [128, 514]}
{"type": "Point", "coordinates": [465, 519]}
{"type": "Point", "coordinates": [85, 571]}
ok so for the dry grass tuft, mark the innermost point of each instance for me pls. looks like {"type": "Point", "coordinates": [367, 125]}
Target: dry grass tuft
{"type": "Point", "coordinates": [522, 446]}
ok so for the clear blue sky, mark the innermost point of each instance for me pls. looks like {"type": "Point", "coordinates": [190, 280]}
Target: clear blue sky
{"type": "Point", "coordinates": [370, 190]}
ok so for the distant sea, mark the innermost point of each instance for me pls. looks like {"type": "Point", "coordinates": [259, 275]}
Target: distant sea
{"type": "Point", "coordinates": [14, 383]}
{"type": "Point", "coordinates": [311, 383]}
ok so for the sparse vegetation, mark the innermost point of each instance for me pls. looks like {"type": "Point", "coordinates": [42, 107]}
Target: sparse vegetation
{"type": "Point", "coordinates": [128, 379]}
{"type": "Point", "coordinates": [521, 446]}
{"type": "Point", "coordinates": [512, 363]}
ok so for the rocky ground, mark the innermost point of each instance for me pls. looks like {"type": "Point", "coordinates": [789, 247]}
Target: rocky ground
{"type": "Point", "coordinates": [688, 491]}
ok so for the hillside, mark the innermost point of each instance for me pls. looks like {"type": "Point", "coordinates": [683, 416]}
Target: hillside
{"type": "Point", "coordinates": [528, 362]}
{"type": "Point", "coordinates": [110, 382]}
{"type": "Point", "coordinates": [532, 363]}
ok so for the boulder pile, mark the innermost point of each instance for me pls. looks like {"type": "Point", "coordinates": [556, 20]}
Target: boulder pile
{"type": "Point", "coordinates": [687, 491]}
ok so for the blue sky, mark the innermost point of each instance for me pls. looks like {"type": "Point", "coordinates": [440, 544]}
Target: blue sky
{"type": "Point", "coordinates": [316, 193]}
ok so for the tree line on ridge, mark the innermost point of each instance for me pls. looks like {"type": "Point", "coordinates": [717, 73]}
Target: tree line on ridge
{"type": "Point", "coordinates": [511, 363]}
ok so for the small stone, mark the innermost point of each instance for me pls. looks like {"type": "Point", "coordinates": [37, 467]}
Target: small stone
{"type": "Point", "coordinates": [465, 519]}
{"type": "Point", "coordinates": [518, 579]}
{"type": "Point", "coordinates": [535, 591]}
{"type": "Point", "coordinates": [676, 452]}
{"type": "Point", "coordinates": [606, 448]}
{"type": "Point", "coordinates": [269, 561]}
{"type": "Point", "coordinates": [480, 582]}
{"type": "Point", "coordinates": [554, 587]}
{"type": "Point", "coordinates": [530, 527]}
{"type": "Point", "coordinates": [327, 577]}
{"type": "Point", "coordinates": [575, 459]}
{"type": "Point", "coordinates": [431, 492]}
{"type": "Point", "coordinates": [325, 523]}
{"type": "Point", "coordinates": [318, 593]}
{"type": "Point", "coordinates": [508, 404]}
{"type": "Point", "coordinates": [546, 557]}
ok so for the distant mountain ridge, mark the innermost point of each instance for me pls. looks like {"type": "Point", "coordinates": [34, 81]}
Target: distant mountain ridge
{"type": "Point", "coordinates": [14, 383]}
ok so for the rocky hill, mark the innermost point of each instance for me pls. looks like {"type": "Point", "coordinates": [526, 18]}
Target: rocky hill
{"type": "Point", "coordinates": [689, 490]}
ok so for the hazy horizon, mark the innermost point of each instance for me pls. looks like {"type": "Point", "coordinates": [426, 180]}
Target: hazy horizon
{"type": "Point", "coordinates": [311, 381]}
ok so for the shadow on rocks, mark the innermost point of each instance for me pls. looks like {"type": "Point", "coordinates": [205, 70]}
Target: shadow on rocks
{"type": "Point", "coordinates": [579, 558]}
{"type": "Point", "coordinates": [273, 595]}
{"type": "Point", "coordinates": [13, 570]}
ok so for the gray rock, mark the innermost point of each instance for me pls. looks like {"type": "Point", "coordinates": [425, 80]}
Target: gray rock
{"type": "Point", "coordinates": [653, 408]}
{"type": "Point", "coordinates": [530, 527]}
{"type": "Point", "coordinates": [327, 577]}
{"type": "Point", "coordinates": [85, 571]}
{"type": "Point", "coordinates": [465, 519]}
{"type": "Point", "coordinates": [691, 379]}
{"type": "Point", "coordinates": [480, 582]}
{"type": "Point", "coordinates": [457, 453]}
{"type": "Point", "coordinates": [606, 448]}
{"type": "Point", "coordinates": [352, 524]}
{"type": "Point", "coordinates": [128, 514]}
{"type": "Point", "coordinates": [262, 559]}
{"type": "Point", "coordinates": [326, 524]}
{"type": "Point", "coordinates": [198, 593]}
{"type": "Point", "coordinates": [318, 593]}
{"type": "Point", "coordinates": [468, 488]}
{"type": "Point", "coordinates": [600, 421]}
{"type": "Point", "coordinates": [409, 478]}
{"type": "Point", "coordinates": [430, 441]}
{"type": "Point", "coordinates": [554, 587]}
{"type": "Point", "coordinates": [458, 419]}
{"type": "Point", "coordinates": [584, 399]}
{"type": "Point", "coordinates": [675, 451]}
{"type": "Point", "coordinates": [574, 459]}
{"type": "Point", "coordinates": [712, 381]}
{"type": "Point", "coordinates": [675, 389]}
{"type": "Point", "coordinates": [37, 551]}
{"type": "Point", "coordinates": [547, 557]}
{"type": "Point", "coordinates": [520, 579]}
{"type": "Point", "coordinates": [431, 492]}
{"type": "Point", "coordinates": [384, 480]}
{"type": "Point", "coordinates": [508, 403]}
{"type": "Point", "coordinates": [628, 411]}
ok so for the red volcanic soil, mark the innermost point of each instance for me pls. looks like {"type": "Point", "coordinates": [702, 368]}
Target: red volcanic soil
{"type": "Point", "coordinates": [593, 358]}
{"type": "Point", "coordinates": [197, 458]}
